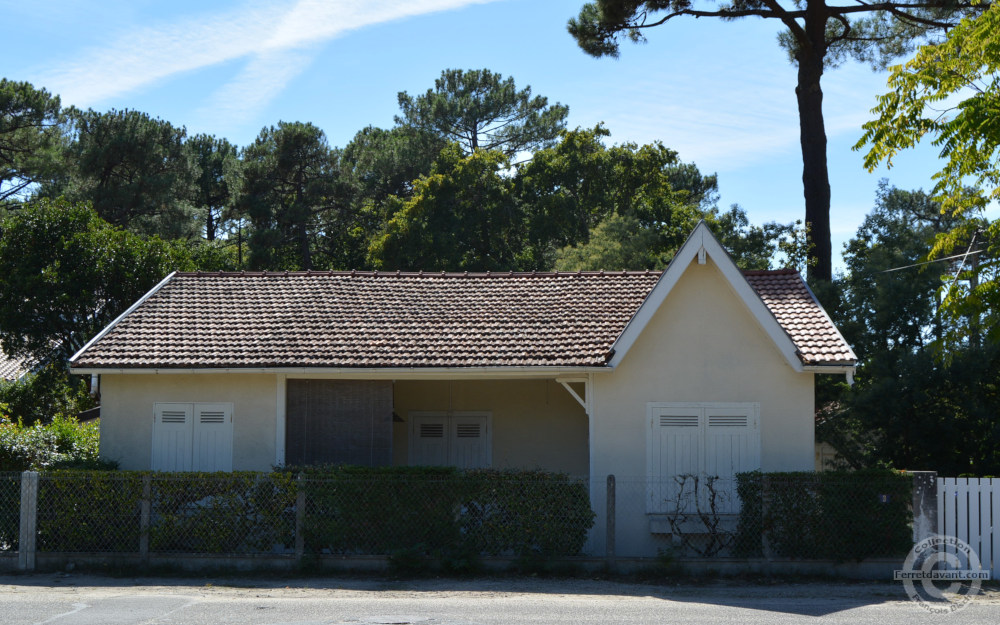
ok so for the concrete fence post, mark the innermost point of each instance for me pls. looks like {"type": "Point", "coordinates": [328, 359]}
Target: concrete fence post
{"type": "Point", "coordinates": [300, 519]}
{"type": "Point", "coordinates": [145, 509]}
{"type": "Point", "coordinates": [925, 504]}
{"type": "Point", "coordinates": [26, 545]}
{"type": "Point", "coordinates": [610, 509]}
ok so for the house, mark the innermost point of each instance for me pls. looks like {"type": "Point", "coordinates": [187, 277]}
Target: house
{"type": "Point", "coordinates": [644, 375]}
{"type": "Point", "coordinates": [13, 368]}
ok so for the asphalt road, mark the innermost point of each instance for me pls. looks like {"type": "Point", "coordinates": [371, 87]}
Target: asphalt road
{"type": "Point", "coordinates": [89, 600]}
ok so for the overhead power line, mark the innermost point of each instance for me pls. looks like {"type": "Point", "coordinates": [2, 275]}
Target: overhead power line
{"type": "Point", "coordinates": [936, 260]}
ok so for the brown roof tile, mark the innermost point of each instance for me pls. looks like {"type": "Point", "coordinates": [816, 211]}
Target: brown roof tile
{"type": "Point", "coordinates": [380, 320]}
{"type": "Point", "coordinates": [793, 305]}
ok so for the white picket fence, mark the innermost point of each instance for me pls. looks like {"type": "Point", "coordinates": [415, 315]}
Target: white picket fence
{"type": "Point", "coordinates": [969, 509]}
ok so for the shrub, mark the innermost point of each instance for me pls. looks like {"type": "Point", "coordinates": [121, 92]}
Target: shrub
{"type": "Point", "coordinates": [222, 512]}
{"type": "Point", "coordinates": [63, 443]}
{"type": "Point", "coordinates": [835, 515]}
{"type": "Point", "coordinates": [43, 396]}
{"type": "Point", "coordinates": [89, 511]}
{"type": "Point", "coordinates": [444, 512]}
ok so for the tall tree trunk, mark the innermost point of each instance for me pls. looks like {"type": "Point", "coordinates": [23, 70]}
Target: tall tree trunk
{"type": "Point", "coordinates": [812, 137]}
{"type": "Point", "coordinates": [210, 225]}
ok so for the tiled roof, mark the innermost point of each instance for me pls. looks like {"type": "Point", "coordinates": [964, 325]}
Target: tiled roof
{"type": "Point", "coordinates": [377, 320]}
{"type": "Point", "coordinates": [11, 368]}
{"type": "Point", "coordinates": [793, 305]}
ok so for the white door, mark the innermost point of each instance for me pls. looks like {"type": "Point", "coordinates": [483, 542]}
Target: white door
{"type": "Point", "coordinates": [450, 439]}
{"type": "Point", "coordinates": [192, 437]}
{"type": "Point", "coordinates": [428, 440]}
{"type": "Point", "coordinates": [172, 434]}
{"type": "Point", "coordinates": [213, 437]}
{"type": "Point", "coordinates": [467, 443]}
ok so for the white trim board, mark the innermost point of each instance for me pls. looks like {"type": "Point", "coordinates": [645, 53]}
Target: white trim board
{"type": "Point", "coordinates": [358, 373]}
{"type": "Point", "coordinates": [700, 242]}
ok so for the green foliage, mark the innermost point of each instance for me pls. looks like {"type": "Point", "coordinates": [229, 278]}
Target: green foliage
{"type": "Point", "coordinates": [444, 513]}
{"type": "Point", "coordinates": [215, 185]}
{"type": "Point", "coordinates": [481, 110]}
{"type": "Point", "coordinates": [29, 138]}
{"type": "Point", "coordinates": [135, 170]}
{"type": "Point", "coordinates": [964, 66]}
{"type": "Point", "coordinates": [89, 511]}
{"type": "Point", "coordinates": [222, 513]}
{"type": "Point", "coordinates": [385, 163]}
{"type": "Point", "coordinates": [67, 274]}
{"type": "Point", "coordinates": [832, 515]}
{"type": "Point", "coordinates": [462, 216]}
{"type": "Point", "coordinates": [920, 401]}
{"type": "Point", "coordinates": [817, 34]}
{"type": "Point", "coordinates": [100, 511]}
{"type": "Point", "coordinates": [883, 309]}
{"type": "Point", "coordinates": [10, 511]}
{"type": "Point", "coordinates": [295, 199]}
{"type": "Point", "coordinates": [591, 207]}
{"type": "Point", "coordinates": [38, 397]}
{"type": "Point", "coordinates": [63, 443]}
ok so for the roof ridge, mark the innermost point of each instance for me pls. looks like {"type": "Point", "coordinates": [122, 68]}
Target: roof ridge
{"type": "Point", "coordinates": [354, 273]}
{"type": "Point", "coordinates": [771, 272]}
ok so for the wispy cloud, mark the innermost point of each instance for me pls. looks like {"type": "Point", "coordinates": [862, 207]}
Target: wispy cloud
{"type": "Point", "coordinates": [721, 124]}
{"type": "Point", "coordinates": [273, 37]}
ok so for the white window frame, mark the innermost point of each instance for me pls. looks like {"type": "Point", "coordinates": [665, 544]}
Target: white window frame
{"type": "Point", "coordinates": [448, 415]}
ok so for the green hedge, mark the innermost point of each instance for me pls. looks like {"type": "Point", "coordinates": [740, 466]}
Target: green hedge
{"type": "Point", "coordinates": [10, 510]}
{"type": "Point", "coordinates": [442, 511]}
{"type": "Point", "coordinates": [89, 511]}
{"type": "Point", "coordinates": [438, 511]}
{"type": "Point", "coordinates": [836, 515]}
{"type": "Point", "coordinates": [62, 443]}
{"type": "Point", "coordinates": [240, 512]}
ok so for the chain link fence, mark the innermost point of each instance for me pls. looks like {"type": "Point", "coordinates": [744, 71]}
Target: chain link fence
{"type": "Point", "coordinates": [840, 516]}
{"type": "Point", "coordinates": [10, 510]}
{"type": "Point", "coordinates": [465, 514]}
{"type": "Point", "coordinates": [475, 513]}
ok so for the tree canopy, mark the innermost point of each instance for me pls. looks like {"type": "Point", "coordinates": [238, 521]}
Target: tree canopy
{"type": "Point", "coordinates": [134, 170]}
{"type": "Point", "coordinates": [291, 194]}
{"type": "Point", "coordinates": [67, 274]}
{"type": "Point", "coordinates": [29, 137]}
{"type": "Point", "coordinates": [817, 34]}
{"type": "Point", "coordinates": [479, 109]}
{"type": "Point", "coordinates": [950, 92]}
{"type": "Point", "coordinates": [918, 402]}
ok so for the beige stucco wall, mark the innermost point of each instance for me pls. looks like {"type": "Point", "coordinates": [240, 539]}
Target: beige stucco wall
{"type": "Point", "coordinates": [702, 345]}
{"type": "Point", "coordinates": [536, 423]}
{"type": "Point", "coordinates": [127, 414]}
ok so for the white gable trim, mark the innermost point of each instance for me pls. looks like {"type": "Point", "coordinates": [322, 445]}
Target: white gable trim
{"type": "Point", "coordinates": [700, 243]}
{"type": "Point", "coordinates": [111, 325]}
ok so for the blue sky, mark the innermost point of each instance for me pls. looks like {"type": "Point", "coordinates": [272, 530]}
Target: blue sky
{"type": "Point", "coordinates": [720, 93]}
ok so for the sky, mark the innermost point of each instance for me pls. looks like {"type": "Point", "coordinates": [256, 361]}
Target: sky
{"type": "Point", "coordinates": [722, 94]}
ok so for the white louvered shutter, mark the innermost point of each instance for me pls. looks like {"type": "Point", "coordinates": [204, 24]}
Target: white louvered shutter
{"type": "Point", "coordinates": [467, 442]}
{"type": "Point", "coordinates": [732, 442]}
{"type": "Point", "coordinates": [429, 440]}
{"type": "Point", "coordinates": [213, 437]}
{"type": "Point", "coordinates": [172, 437]}
{"type": "Point", "coordinates": [732, 445]}
{"type": "Point", "coordinates": [675, 450]}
